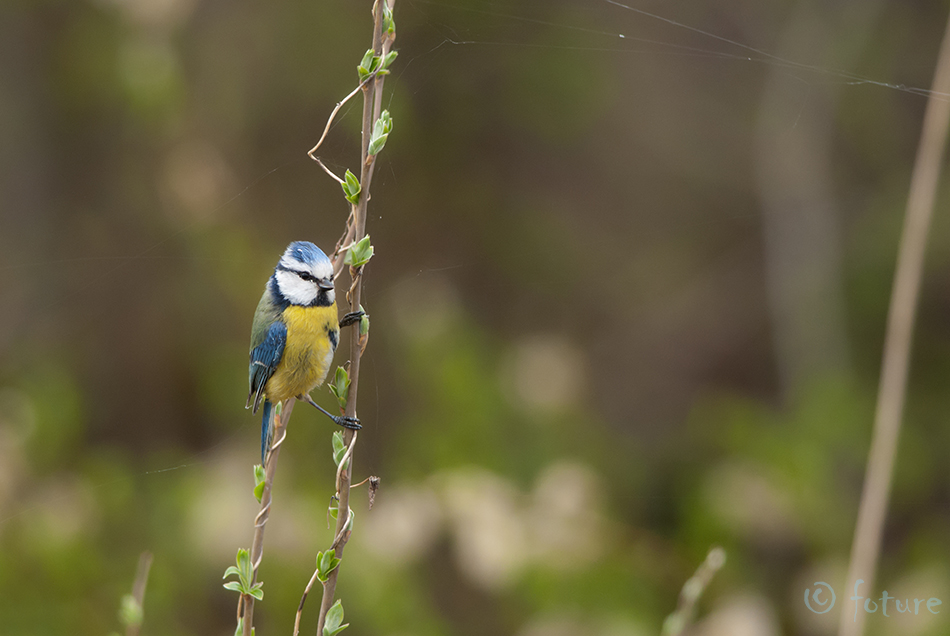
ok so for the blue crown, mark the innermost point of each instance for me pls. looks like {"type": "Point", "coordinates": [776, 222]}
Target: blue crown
{"type": "Point", "coordinates": [305, 252]}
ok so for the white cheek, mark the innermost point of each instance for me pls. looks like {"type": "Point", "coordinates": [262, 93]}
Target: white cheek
{"type": "Point", "coordinates": [295, 289]}
{"type": "Point", "coordinates": [331, 296]}
{"type": "Point", "coordinates": [323, 269]}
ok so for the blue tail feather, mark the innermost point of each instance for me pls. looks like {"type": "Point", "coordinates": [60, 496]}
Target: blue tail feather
{"type": "Point", "coordinates": [265, 429]}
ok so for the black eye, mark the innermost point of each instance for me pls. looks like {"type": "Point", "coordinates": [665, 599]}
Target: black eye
{"type": "Point", "coordinates": [306, 276]}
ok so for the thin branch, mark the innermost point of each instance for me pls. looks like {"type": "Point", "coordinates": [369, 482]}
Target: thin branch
{"type": "Point", "coordinates": [356, 230]}
{"type": "Point", "coordinates": [677, 622]}
{"type": "Point", "coordinates": [328, 171]}
{"type": "Point", "coordinates": [334, 112]}
{"type": "Point", "coordinates": [138, 588]}
{"type": "Point", "coordinates": [303, 599]}
{"type": "Point", "coordinates": [897, 342]}
{"type": "Point", "coordinates": [344, 461]}
{"type": "Point", "coordinates": [344, 534]}
{"type": "Point", "coordinates": [357, 485]}
{"type": "Point", "coordinates": [257, 546]}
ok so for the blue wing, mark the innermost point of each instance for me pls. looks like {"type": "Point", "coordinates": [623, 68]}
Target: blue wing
{"type": "Point", "coordinates": [264, 360]}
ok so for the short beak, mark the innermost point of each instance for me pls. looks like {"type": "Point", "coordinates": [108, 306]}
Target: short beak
{"type": "Point", "coordinates": [325, 283]}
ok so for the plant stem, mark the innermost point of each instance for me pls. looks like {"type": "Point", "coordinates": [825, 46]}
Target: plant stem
{"type": "Point", "coordinates": [257, 546]}
{"type": "Point", "coordinates": [303, 599]}
{"type": "Point", "coordinates": [679, 621]}
{"type": "Point", "coordinates": [900, 324]}
{"type": "Point", "coordinates": [356, 230]}
{"type": "Point", "coordinates": [138, 587]}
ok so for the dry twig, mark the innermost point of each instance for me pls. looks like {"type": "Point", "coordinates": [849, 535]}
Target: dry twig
{"type": "Point", "coordinates": [677, 622]}
{"type": "Point", "coordinates": [246, 603]}
{"type": "Point", "coordinates": [900, 325]}
{"type": "Point", "coordinates": [138, 592]}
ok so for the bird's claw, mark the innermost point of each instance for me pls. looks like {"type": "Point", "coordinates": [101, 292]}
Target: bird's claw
{"type": "Point", "coordinates": [351, 423]}
{"type": "Point", "coordinates": [352, 317]}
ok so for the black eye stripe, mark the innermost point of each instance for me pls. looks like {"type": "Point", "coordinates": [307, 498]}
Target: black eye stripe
{"type": "Point", "coordinates": [306, 276]}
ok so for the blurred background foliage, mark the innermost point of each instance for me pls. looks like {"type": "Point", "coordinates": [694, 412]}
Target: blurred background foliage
{"type": "Point", "coordinates": [628, 303]}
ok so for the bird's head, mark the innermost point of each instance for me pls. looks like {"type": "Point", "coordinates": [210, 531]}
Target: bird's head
{"type": "Point", "coordinates": [304, 276]}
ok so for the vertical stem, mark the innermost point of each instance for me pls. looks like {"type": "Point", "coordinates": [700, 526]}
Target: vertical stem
{"type": "Point", "coordinates": [679, 621]}
{"type": "Point", "coordinates": [257, 546]}
{"type": "Point", "coordinates": [372, 101]}
{"type": "Point", "coordinates": [138, 587]}
{"type": "Point", "coordinates": [900, 323]}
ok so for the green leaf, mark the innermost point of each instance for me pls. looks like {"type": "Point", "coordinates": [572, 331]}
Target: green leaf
{"type": "Point", "coordinates": [376, 144]}
{"type": "Point", "coordinates": [389, 25]}
{"type": "Point", "coordinates": [231, 570]}
{"type": "Point", "coordinates": [339, 447]}
{"type": "Point", "coordinates": [340, 388]}
{"type": "Point", "coordinates": [234, 586]}
{"type": "Point", "coordinates": [336, 631]}
{"type": "Point", "coordinates": [364, 325]}
{"type": "Point", "coordinates": [326, 563]}
{"type": "Point", "coordinates": [387, 60]}
{"type": "Point", "coordinates": [385, 121]}
{"type": "Point", "coordinates": [359, 253]}
{"type": "Point", "coordinates": [256, 591]}
{"type": "Point", "coordinates": [333, 512]}
{"type": "Point", "coordinates": [332, 625]}
{"type": "Point", "coordinates": [381, 130]}
{"type": "Point", "coordinates": [351, 187]}
{"type": "Point", "coordinates": [366, 65]}
{"type": "Point", "coordinates": [130, 612]}
{"type": "Point", "coordinates": [244, 564]}
{"type": "Point", "coordinates": [259, 477]}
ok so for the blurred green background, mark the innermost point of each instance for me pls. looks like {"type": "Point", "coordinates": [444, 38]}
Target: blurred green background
{"type": "Point", "coordinates": [628, 302]}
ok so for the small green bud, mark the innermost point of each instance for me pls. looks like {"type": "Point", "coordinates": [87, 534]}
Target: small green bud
{"type": "Point", "coordinates": [351, 187]}
{"type": "Point", "coordinates": [359, 253]}
{"type": "Point", "coordinates": [340, 387]}
{"type": "Point", "coordinates": [130, 612]}
{"type": "Point", "coordinates": [386, 61]}
{"type": "Point", "coordinates": [326, 563]}
{"type": "Point", "coordinates": [389, 25]}
{"type": "Point", "coordinates": [381, 130]}
{"type": "Point", "coordinates": [243, 560]}
{"type": "Point", "coordinates": [339, 447]}
{"type": "Point", "coordinates": [366, 65]}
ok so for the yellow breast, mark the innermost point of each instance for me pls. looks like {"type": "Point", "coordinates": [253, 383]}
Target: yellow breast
{"type": "Point", "coordinates": [308, 352]}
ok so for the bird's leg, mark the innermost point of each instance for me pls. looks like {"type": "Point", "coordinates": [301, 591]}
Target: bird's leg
{"type": "Point", "coordinates": [340, 420]}
{"type": "Point", "coordinates": [350, 318]}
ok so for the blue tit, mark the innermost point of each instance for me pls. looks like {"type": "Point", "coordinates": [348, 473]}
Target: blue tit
{"type": "Point", "coordinates": [295, 334]}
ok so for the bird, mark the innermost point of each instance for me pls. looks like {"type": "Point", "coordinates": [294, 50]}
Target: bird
{"type": "Point", "coordinates": [294, 335]}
